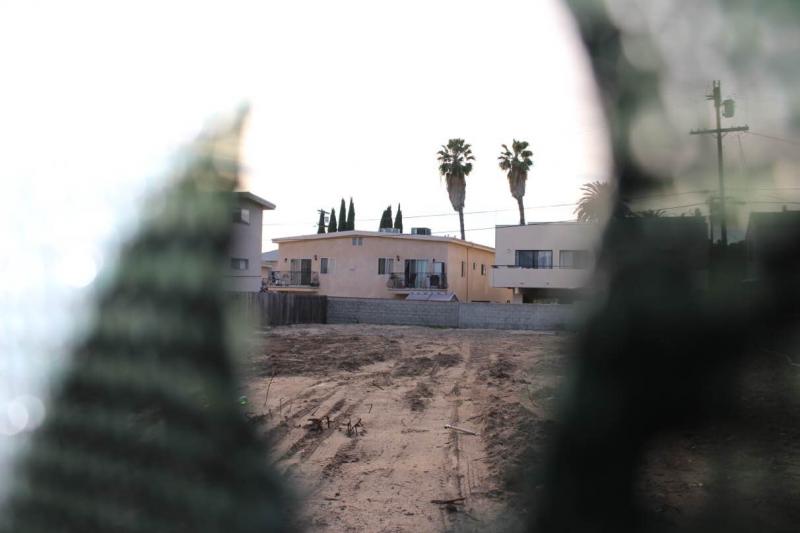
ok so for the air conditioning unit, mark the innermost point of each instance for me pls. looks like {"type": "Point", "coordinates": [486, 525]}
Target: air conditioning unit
{"type": "Point", "coordinates": [420, 231]}
{"type": "Point", "coordinates": [389, 230]}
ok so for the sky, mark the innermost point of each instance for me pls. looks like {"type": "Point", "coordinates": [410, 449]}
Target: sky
{"type": "Point", "coordinates": [362, 95]}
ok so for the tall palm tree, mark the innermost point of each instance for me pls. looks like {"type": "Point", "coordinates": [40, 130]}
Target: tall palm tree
{"type": "Point", "coordinates": [455, 166]}
{"type": "Point", "coordinates": [517, 164]}
{"type": "Point", "coordinates": [598, 203]}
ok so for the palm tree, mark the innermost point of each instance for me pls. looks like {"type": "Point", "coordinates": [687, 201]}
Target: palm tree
{"type": "Point", "coordinates": [517, 165]}
{"type": "Point", "coordinates": [454, 165]}
{"type": "Point", "coordinates": [597, 203]}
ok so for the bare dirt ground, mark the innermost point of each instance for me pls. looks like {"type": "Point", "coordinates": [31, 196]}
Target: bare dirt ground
{"type": "Point", "coordinates": [380, 458]}
{"type": "Point", "coordinates": [403, 384]}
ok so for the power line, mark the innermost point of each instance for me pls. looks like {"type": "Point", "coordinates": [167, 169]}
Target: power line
{"type": "Point", "coordinates": [774, 137]}
{"type": "Point", "coordinates": [437, 214]}
{"type": "Point", "coordinates": [544, 206]}
{"type": "Point", "coordinates": [680, 206]}
{"type": "Point", "coordinates": [661, 195]}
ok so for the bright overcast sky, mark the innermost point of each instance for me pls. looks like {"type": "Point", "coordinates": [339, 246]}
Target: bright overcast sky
{"type": "Point", "coordinates": [350, 98]}
{"type": "Point", "coordinates": [357, 97]}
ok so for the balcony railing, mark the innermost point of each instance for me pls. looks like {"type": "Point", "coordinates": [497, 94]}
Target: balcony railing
{"type": "Point", "coordinates": [549, 267]}
{"type": "Point", "coordinates": [293, 278]}
{"type": "Point", "coordinates": [420, 280]}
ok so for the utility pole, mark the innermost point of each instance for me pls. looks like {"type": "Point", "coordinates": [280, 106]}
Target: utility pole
{"type": "Point", "coordinates": [728, 111]}
{"type": "Point", "coordinates": [323, 220]}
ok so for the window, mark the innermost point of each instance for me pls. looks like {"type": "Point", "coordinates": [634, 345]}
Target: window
{"type": "Point", "coordinates": [578, 259]}
{"type": "Point", "coordinates": [534, 258]}
{"type": "Point", "coordinates": [473, 265]}
{"type": "Point", "coordinates": [385, 265]}
{"type": "Point", "coordinates": [325, 265]}
{"type": "Point", "coordinates": [483, 270]}
{"type": "Point", "coordinates": [241, 216]}
{"type": "Point", "coordinates": [239, 263]}
{"type": "Point", "coordinates": [463, 268]}
{"type": "Point", "coordinates": [416, 273]}
{"type": "Point", "coordinates": [358, 241]}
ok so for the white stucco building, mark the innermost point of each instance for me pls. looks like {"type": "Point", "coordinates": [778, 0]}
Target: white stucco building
{"type": "Point", "coordinates": [555, 261]}
{"type": "Point", "coordinates": [546, 260]}
{"type": "Point", "coordinates": [243, 269]}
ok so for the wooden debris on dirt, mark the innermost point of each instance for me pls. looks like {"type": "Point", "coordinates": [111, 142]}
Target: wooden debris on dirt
{"type": "Point", "coordinates": [316, 423]}
{"type": "Point", "coordinates": [462, 430]}
{"type": "Point", "coordinates": [455, 501]}
{"type": "Point", "coordinates": [352, 429]}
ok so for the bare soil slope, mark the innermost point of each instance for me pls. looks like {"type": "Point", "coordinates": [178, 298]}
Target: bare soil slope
{"type": "Point", "coordinates": [356, 416]}
{"type": "Point", "coordinates": [377, 455]}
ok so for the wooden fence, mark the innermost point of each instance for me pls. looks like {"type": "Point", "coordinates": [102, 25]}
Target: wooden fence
{"type": "Point", "coordinates": [281, 309]}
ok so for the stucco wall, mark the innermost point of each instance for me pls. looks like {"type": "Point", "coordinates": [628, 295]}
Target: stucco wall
{"type": "Point", "coordinates": [474, 285]}
{"type": "Point", "coordinates": [451, 314]}
{"type": "Point", "coordinates": [354, 269]}
{"type": "Point", "coordinates": [246, 244]}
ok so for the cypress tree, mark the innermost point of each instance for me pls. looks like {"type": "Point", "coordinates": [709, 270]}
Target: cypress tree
{"type": "Point", "coordinates": [398, 219]}
{"type": "Point", "coordinates": [321, 222]}
{"type": "Point", "coordinates": [351, 216]}
{"type": "Point", "coordinates": [343, 217]}
{"type": "Point", "coordinates": [386, 218]}
{"type": "Point", "coordinates": [332, 224]}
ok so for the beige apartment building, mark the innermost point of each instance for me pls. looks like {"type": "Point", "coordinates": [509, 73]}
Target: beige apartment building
{"type": "Point", "coordinates": [243, 269]}
{"type": "Point", "coordinates": [368, 264]}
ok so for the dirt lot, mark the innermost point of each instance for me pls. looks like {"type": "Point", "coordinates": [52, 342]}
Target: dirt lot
{"type": "Point", "coordinates": [380, 455]}
{"type": "Point", "coordinates": [404, 384]}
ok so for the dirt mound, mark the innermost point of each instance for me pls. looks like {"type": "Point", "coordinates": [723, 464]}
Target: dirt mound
{"type": "Point", "coordinates": [417, 398]}
{"type": "Point", "coordinates": [499, 369]}
{"type": "Point", "coordinates": [515, 439]}
{"type": "Point", "coordinates": [447, 359]}
{"type": "Point", "coordinates": [292, 354]}
{"type": "Point", "coordinates": [413, 366]}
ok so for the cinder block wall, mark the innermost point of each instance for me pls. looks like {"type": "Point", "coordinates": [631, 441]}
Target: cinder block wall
{"type": "Point", "coordinates": [451, 314]}
{"type": "Point", "coordinates": [522, 316]}
{"type": "Point", "coordinates": [398, 312]}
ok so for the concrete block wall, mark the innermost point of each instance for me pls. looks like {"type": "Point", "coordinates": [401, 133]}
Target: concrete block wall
{"type": "Point", "coordinates": [451, 314]}
{"type": "Point", "coordinates": [397, 312]}
{"type": "Point", "coordinates": [516, 316]}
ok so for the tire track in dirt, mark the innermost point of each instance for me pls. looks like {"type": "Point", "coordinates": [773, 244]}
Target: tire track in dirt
{"type": "Point", "coordinates": [343, 455]}
{"type": "Point", "coordinates": [468, 476]}
{"type": "Point", "coordinates": [453, 449]}
{"type": "Point", "coordinates": [283, 428]}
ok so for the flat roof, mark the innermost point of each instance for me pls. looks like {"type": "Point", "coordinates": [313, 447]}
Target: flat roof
{"type": "Point", "coordinates": [361, 233]}
{"type": "Point", "coordinates": [247, 195]}
{"type": "Point", "coordinates": [271, 255]}
{"type": "Point", "coordinates": [553, 223]}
